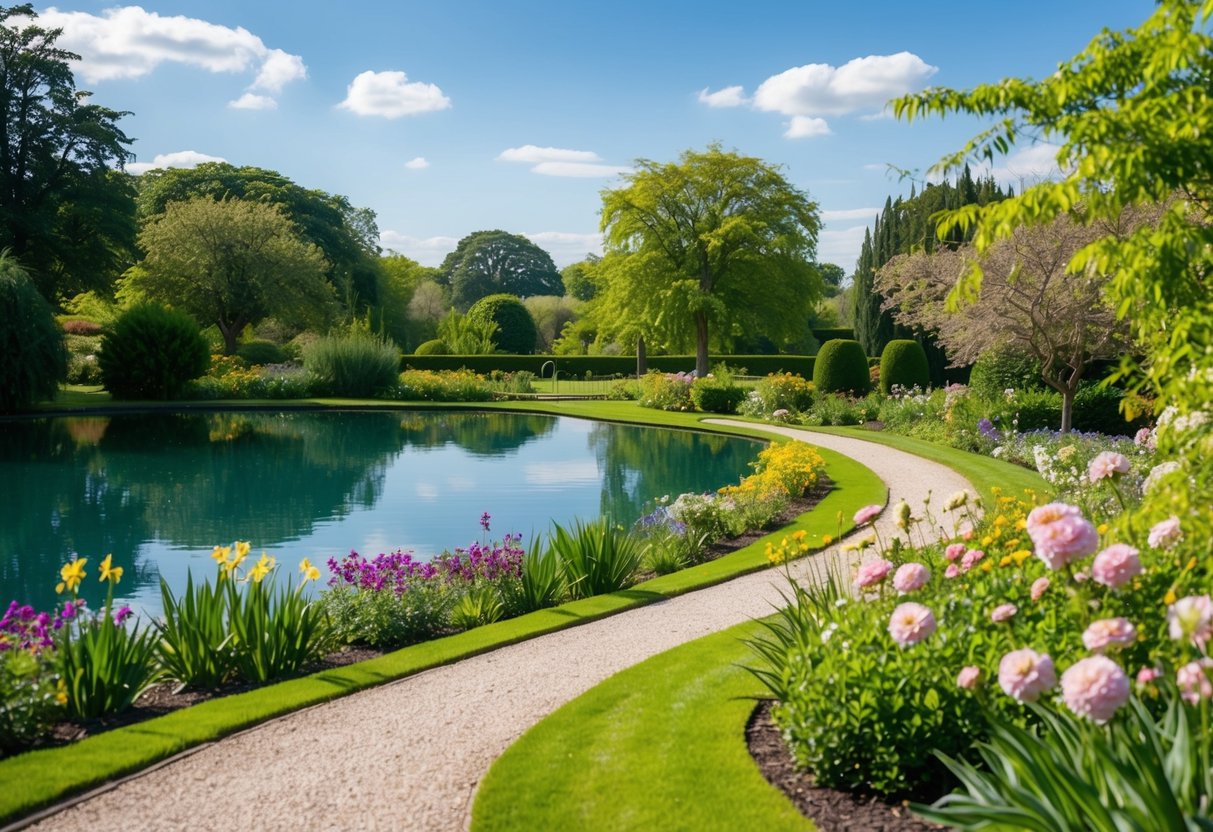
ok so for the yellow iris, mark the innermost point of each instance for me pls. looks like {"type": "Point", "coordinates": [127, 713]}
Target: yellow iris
{"type": "Point", "coordinates": [72, 574]}
{"type": "Point", "coordinates": [310, 573]}
{"type": "Point", "coordinates": [109, 572]}
{"type": "Point", "coordinates": [242, 547]}
{"type": "Point", "coordinates": [220, 554]}
{"type": "Point", "coordinates": [799, 535]}
{"type": "Point", "coordinates": [263, 567]}
{"type": "Point", "coordinates": [61, 692]}
{"type": "Point", "coordinates": [1169, 598]}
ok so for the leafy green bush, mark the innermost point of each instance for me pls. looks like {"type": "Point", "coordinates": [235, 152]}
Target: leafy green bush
{"type": "Point", "coordinates": [435, 346]}
{"type": "Point", "coordinates": [666, 392]}
{"type": "Point", "coordinates": [595, 557]}
{"type": "Point", "coordinates": [263, 352]}
{"type": "Point", "coordinates": [151, 352]}
{"type": "Point", "coordinates": [105, 664]}
{"type": "Point", "coordinates": [28, 706]}
{"type": "Point", "coordinates": [717, 392]}
{"type": "Point", "coordinates": [82, 366]}
{"type": "Point", "coordinates": [1004, 369]}
{"type": "Point", "coordinates": [477, 606]}
{"type": "Point", "coordinates": [32, 357]}
{"type": "Point", "coordinates": [842, 367]}
{"type": "Point", "coordinates": [1097, 408]}
{"type": "Point", "coordinates": [446, 386]}
{"type": "Point", "coordinates": [275, 631]}
{"type": "Point", "coordinates": [516, 332]}
{"type": "Point", "coordinates": [541, 584]}
{"type": "Point", "coordinates": [195, 642]}
{"type": "Point", "coordinates": [903, 363]}
{"type": "Point", "coordinates": [357, 365]}
{"type": "Point", "coordinates": [521, 381]}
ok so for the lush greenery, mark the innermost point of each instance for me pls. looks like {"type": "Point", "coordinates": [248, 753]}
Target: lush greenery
{"type": "Point", "coordinates": [516, 332]}
{"type": "Point", "coordinates": [32, 356]}
{"type": "Point", "coordinates": [903, 364]}
{"type": "Point", "coordinates": [841, 367]}
{"type": "Point", "coordinates": [357, 365]}
{"type": "Point", "coordinates": [151, 352]}
{"type": "Point", "coordinates": [492, 262]}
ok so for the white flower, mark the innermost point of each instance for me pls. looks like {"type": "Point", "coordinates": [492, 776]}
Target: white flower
{"type": "Point", "coordinates": [1157, 473]}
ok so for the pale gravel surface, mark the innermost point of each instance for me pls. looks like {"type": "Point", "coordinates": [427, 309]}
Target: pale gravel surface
{"type": "Point", "coordinates": [408, 755]}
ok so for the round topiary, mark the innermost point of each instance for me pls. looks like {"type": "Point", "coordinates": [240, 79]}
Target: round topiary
{"type": "Point", "coordinates": [1002, 369]}
{"type": "Point", "coordinates": [151, 352]}
{"type": "Point", "coordinates": [841, 367]}
{"type": "Point", "coordinates": [262, 352]}
{"type": "Point", "coordinates": [904, 363]}
{"type": "Point", "coordinates": [434, 347]}
{"type": "Point", "coordinates": [516, 331]}
{"type": "Point", "coordinates": [32, 355]}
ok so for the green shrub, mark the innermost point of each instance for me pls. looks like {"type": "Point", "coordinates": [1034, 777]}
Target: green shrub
{"type": "Point", "coordinates": [516, 332]}
{"type": "Point", "coordinates": [263, 352]}
{"type": "Point", "coordinates": [841, 367]}
{"type": "Point", "coordinates": [32, 358]}
{"type": "Point", "coordinates": [82, 366]}
{"type": "Point", "coordinates": [105, 664]}
{"type": "Point", "coordinates": [1097, 408]}
{"type": "Point", "coordinates": [575, 366]}
{"type": "Point", "coordinates": [27, 694]}
{"type": "Point", "coordinates": [275, 631]}
{"type": "Point", "coordinates": [595, 557]}
{"type": "Point", "coordinates": [151, 352]}
{"type": "Point", "coordinates": [903, 363]}
{"type": "Point", "coordinates": [388, 619]}
{"type": "Point", "coordinates": [666, 392]}
{"type": "Point", "coordinates": [435, 346]}
{"type": "Point", "coordinates": [195, 644]}
{"type": "Point", "coordinates": [718, 392]}
{"type": "Point", "coordinates": [448, 386]}
{"type": "Point", "coordinates": [999, 370]}
{"type": "Point", "coordinates": [357, 365]}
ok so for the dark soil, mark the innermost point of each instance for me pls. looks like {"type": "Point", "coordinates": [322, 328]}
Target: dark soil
{"type": "Point", "coordinates": [831, 809]}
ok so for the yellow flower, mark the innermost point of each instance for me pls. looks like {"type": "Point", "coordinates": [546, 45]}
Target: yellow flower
{"type": "Point", "coordinates": [1021, 524]}
{"type": "Point", "coordinates": [1007, 560]}
{"type": "Point", "coordinates": [1021, 556]}
{"type": "Point", "coordinates": [986, 566]}
{"type": "Point", "coordinates": [1000, 520]}
{"type": "Point", "coordinates": [242, 547]}
{"type": "Point", "coordinates": [1102, 528]}
{"type": "Point", "coordinates": [310, 573]}
{"type": "Point", "coordinates": [263, 567]}
{"type": "Point", "coordinates": [109, 572]}
{"type": "Point", "coordinates": [987, 540]}
{"type": "Point", "coordinates": [72, 574]}
{"type": "Point", "coordinates": [61, 692]}
{"type": "Point", "coordinates": [995, 490]}
{"type": "Point", "coordinates": [220, 554]}
{"type": "Point", "coordinates": [826, 539]}
{"type": "Point", "coordinates": [1169, 598]}
{"type": "Point", "coordinates": [1011, 544]}
{"type": "Point", "coordinates": [799, 535]}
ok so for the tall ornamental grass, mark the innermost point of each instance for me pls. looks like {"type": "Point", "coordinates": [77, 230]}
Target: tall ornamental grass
{"type": "Point", "coordinates": [357, 365]}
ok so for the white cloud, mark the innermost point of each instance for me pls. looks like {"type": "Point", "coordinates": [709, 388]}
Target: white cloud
{"type": "Point", "coordinates": [179, 159]}
{"type": "Point", "coordinates": [881, 166]}
{"type": "Point", "coordinates": [1026, 166]}
{"type": "Point", "coordinates": [252, 101]}
{"type": "Point", "coordinates": [840, 246]}
{"type": "Point", "coordinates": [428, 251]}
{"type": "Point", "coordinates": [417, 163]}
{"type": "Point", "coordinates": [570, 472]}
{"type": "Point", "coordinates": [532, 154]}
{"type": "Point", "coordinates": [727, 97]}
{"type": "Point", "coordinates": [580, 170]}
{"type": "Point", "coordinates": [850, 214]}
{"type": "Point", "coordinates": [129, 42]}
{"type": "Point", "coordinates": [392, 95]}
{"type": "Point", "coordinates": [860, 84]}
{"type": "Point", "coordinates": [806, 127]}
{"type": "Point", "coordinates": [567, 247]}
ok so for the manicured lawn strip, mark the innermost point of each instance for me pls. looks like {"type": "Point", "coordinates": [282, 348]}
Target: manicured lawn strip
{"type": "Point", "coordinates": [40, 778]}
{"type": "Point", "coordinates": [660, 745]}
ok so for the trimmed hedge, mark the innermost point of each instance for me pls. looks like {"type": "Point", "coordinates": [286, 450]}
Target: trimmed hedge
{"type": "Point", "coordinates": [576, 366]}
{"type": "Point", "coordinates": [434, 346]}
{"type": "Point", "coordinates": [903, 363]}
{"type": "Point", "coordinates": [516, 332]}
{"type": "Point", "coordinates": [842, 367]}
{"type": "Point", "coordinates": [838, 333]}
{"type": "Point", "coordinates": [262, 352]}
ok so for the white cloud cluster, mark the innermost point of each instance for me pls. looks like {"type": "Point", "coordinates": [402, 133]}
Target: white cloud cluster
{"type": "Point", "coordinates": [559, 161]}
{"type": "Point", "coordinates": [179, 159]}
{"type": "Point", "coordinates": [428, 251]}
{"type": "Point", "coordinates": [130, 42]}
{"type": "Point", "coordinates": [252, 101]}
{"type": "Point", "coordinates": [417, 163]}
{"type": "Point", "coordinates": [806, 94]}
{"type": "Point", "coordinates": [1024, 167]}
{"type": "Point", "coordinates": [392, 95]}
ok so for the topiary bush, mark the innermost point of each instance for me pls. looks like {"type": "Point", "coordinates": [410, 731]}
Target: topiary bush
{"type": "Point", "coordinates": [516, 331]}
{"type": "Point", "coordinates": [904, 363]}
{"type": "Point", "coordinates": [435, 346]}
{"type": "Point", "coordinates": [262, 352]}
{"type": "Point", "coordinates": [717, 392]}
{"type": "Point", "coordinates": [357, 365]}
{"type": "Point", "coordinates": [151, 352]}
{"type": "Point", "coordinates": [999, 370]}
{"type": "Point", "coordinates": [32, 356]}
{"type": "Point", "coordinates": [842, 367]}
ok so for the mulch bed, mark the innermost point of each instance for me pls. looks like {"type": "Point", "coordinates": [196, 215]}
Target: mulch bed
{"type": "Point", "coordinates": [831, 809]}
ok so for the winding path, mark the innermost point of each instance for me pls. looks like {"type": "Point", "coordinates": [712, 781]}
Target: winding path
{"type": "Point", "coordinates": [409, 754]}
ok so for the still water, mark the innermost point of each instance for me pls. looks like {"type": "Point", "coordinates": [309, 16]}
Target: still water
{"type": "Point", "coordinates": [159, 490]}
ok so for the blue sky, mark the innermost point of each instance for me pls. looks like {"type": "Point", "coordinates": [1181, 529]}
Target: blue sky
{"type": "Point", "coordinates": [450, 117]}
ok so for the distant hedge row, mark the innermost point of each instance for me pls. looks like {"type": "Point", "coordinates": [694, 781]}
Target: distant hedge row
{"type": "Point", "coordinates": [576, 366]}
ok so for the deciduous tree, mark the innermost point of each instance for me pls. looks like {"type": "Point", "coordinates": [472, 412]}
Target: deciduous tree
{"type": "Point", "coordinates": [494, 262]}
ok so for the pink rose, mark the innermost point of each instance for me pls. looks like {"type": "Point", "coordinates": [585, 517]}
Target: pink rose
{"type": "Point", "coordinates": [1003, 612]}
{"type": "Point", "coordinates": [911, 623]}
{"type": "Point", "coordinates": [968, 678]}
{"type": "Point", "coordinates": [1116, 565]}
{"type": "Point", "coordinates": [954, 551]}
{"type": "Point", "coordinates": [1109, 632]}
{"type": "Point", "coordinates": [952, 571]}
{"type": "Point", "coordinates": [1191, 618]}
{"type": "Point", "coordinates": [1061, 534]}
{"type": "Point", "coordinates": [1193, 680]}
{"type": "Point", "coordinates": [872, 573]}
{"type": "Point", "coordinates": [1147, 675]}
{"type": "Point", "coordinates": [1143, 438]}
{"type": "Point", "coordinates": [1025, 674]}
{"type": "Point", "coordinates": [867, 514]}
{"type": "Point", "coordinates": [1038, 588]}
{"type": "Point", "coordinates": [970, 559]}
{"type": "Point", "coordinates": [1095, 687]}
{"type": "Point", "coordinates": [1107, 464]}
{"type": "Point", "coordinates": [910, 577]}
{"type": "Point", "coordinates": [1165, 534]}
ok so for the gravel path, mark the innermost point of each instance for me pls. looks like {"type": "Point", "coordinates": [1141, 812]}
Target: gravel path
{"type": "Point", "coordinates": [408, 755]}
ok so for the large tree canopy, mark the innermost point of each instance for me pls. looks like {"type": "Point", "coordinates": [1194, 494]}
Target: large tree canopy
{"type": "Point", "coordinates": [713, 242]}
{"type": "Point", "coordinates": [62, 212]}
{"type": "Point", "coordinates": [232, 262]}
{"type": "Point", "coordinates": [492, 262]}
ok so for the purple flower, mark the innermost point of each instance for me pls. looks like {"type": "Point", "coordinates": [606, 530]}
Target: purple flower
{"type": "Point", "coordinates": [484, 521]}
{"type": "Point", "coordinates": [123, 613]}
{"type": "Point", "coordinates": [986, 428]}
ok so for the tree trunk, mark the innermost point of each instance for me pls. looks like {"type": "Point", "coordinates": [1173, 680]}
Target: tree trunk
{"type": "Point", "coordinates": [642, 359]}
{"type": "Point", "coordinates": [701, 345]}
{"type": "Point", "coordinates": [1067, 408]}
{"type": "Point", "coordinates": [230, 334]}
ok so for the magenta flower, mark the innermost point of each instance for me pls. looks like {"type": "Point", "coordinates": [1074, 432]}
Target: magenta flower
{"type": "Point", "coordinates": [1038, 588]}
{"type": "Point", "coordinates": [971, 558]}
{"type": "Point", "coordinates": [1165, 534]}
{"type": "Point", "coordinates": [1003, 612]}
{"type": "Point", "coordinates": [1191, 618]}
{"type": "Point", "coordinates": [911, 623]}
{"type": "Point", "coordinates": [954, 551]}
{"type": "Point", "coordinates": [1193, 680]}
{"type": "Point", "coordinates": [1107, 464]}
{"type": "Point", "coordinates": [1025, 674]}
{"type": "Point", "coordinates": [952, 571]}
{"type": "Point", "coordinates": [968, 678]}
{"type": "Point", "coordinates": [484, 521]}
{"type": "Point", "coordinates": [1116, 565]}
{"type": "Point", "coordinates": [872, 573]}
{"type": "Point", "coordinates": [1147, 675]}
{"type": "Point", "coordinates": [122, 614]}
{"type": "Point", "coordinates": [1061, 534]}
{"type": "Point", "coordinates": [1109, 632]}
{"type": "Point", "coordinates": [910, 577]}
{"type": "Point", "coordinates": [1095, 687]}
{"type": "Point", "coordinates": [867, 514]}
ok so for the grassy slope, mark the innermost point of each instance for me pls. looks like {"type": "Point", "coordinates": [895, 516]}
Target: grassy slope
{"type": "Point", "coordinates": [42, 777]}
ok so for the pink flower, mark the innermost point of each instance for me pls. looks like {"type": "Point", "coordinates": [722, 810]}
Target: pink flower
{"type": "Point", "coordinates": [1109, 632]}
{"type": "Point", "coordinates": [867, 514]}
{"type": "Point", "coordinates": [952, 571]}
{"type": "Point", "coordinates": [1116, 565]}
{"type": "Point", "coordinates": [968, 678]}
{"type": "Point", "coordinates": [1147, 675]}
{"type": "Point", "coordinates": [1143, 438]}
{"type": "Point", "coordinates": [1164, 535]}
{"type": "Point", "coordinates": [1061, 534]}
{"type": "Point", "coordinates": [911, 623]}
{"type": "Point", "coordinates": [1095, 687]}
{"type": "Point", "coordinates": [1193, 680]}
{"type": "Point", "coordinates": [1003, 612]}
{"type": "Point", "coordinates": [1038, 588]}
{"type": "Point", "coordinates": [910, 577]}
{"type": "Point", "coordinates": [1025, 674]}
{"type": "Point", "coordinates": [1081, 577]}
{"type": "Point", "coordinates": [1191, 618]}
{"type": "Point", "coordinates": [1107, 464]}
{"type": "Point", "coordinates": [970, 558]}
{"type": "Point", "coordinates": [954, 551]}
{"type": "Point", "coordinates": [872, 573]}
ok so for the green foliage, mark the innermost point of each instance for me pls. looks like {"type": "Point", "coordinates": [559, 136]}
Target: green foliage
{"type": "Point", "coordinates": [477, 605]}
{"type": "Point", "coordinates": [105, 665]}
{"type": "Point", "coordinates": [608, 365]}
{"type": "Point", "coordinates": [515, 332]}
{"type": "Point", "coordinates": [194, 647]}
{"type": "Point", "coordinates": [663, 391]}
{"type": "Point", "coordinates": [717, 392]}
{"type": "Point", "coordinates": [490, 262]}
{"type": "Point", "coordinates": [997, 371]}
{"type": "Point", "coordinates": [388, 619]}
{"type": "Point", "coordinates": [357, 365]}
{"type": "Point", "coordinates": [263, 352]}
{"type": "Point", "coordinates": [595, 557]}
{"type": "Point", "coordinates": [32, 355]}
{"type": "Point", "coordinates": [578, 278]}
{"type": "Point", "coordinates": [435, 346]}
{"type": "Point", "coordinates": [275, 631]}
{"type": "Point", "coordinates": [542, 583]}
{"type": "Point", "coordinates": [445, 386]}
{"type": "Point", "coordinates": [904, 363]}
{"type": "Point", "coordinates": [151, 352]}
{"type": "Point", "coordinates": [464, 335]}
{"type": "Point", "coordinates": [397, 279]}
{"type": "Point", "coordinates": [551, 315]}
{"type": "Point", "coordinates": [841, 367]}
{"type": "Point", "coordinates": [27, 694]}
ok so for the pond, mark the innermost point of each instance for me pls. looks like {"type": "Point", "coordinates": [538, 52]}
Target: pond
{"type": "Point", "coordinates": [159, 490]}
